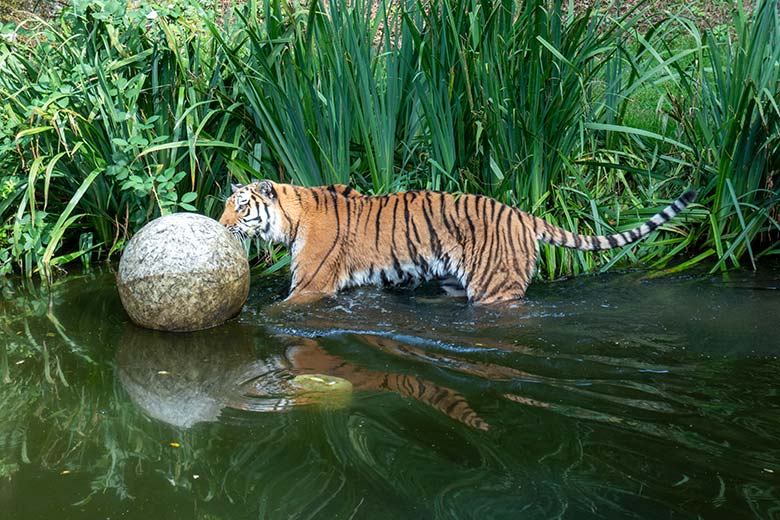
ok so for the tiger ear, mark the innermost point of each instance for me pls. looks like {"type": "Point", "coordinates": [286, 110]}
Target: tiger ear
{"type": "Point", "coordinates": [264, 188]}
{"type": "Point", "coordinates": [235, 187]}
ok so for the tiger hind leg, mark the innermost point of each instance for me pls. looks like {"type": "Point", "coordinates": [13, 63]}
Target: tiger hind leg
{"type": "Point", "coordinates": [498, 284]}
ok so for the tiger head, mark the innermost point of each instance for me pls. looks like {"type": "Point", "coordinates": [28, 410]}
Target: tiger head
{"type": "Point", "coordinates": [252, 211]}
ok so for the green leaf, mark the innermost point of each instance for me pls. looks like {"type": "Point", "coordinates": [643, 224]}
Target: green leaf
{"type": "Point", "coordinates": [189, 197]}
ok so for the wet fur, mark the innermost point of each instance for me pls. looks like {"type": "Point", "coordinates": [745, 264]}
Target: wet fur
{"type": "Point", "coordinates": [339, 238]}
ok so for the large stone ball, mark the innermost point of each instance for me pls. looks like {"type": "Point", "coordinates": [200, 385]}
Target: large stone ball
{"type": "Point", "coordinates": [183, 272]}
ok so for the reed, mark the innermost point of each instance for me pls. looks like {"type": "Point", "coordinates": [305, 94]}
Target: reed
{"type": "Point", "coordinates": [111, 122]}
{"type": "Point", "coordinates": [728, 111]}
{"type": "Point", "coordinates": [114, 116]}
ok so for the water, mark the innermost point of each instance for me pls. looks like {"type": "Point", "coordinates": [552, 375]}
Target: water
{"type": "Point", "coordinates": [612, 396]}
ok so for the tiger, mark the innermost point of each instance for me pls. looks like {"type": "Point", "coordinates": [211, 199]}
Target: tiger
{"type": "Point", "coordinates": [474, 245]}
{"type": "Point", "coordinates": [309, 356]}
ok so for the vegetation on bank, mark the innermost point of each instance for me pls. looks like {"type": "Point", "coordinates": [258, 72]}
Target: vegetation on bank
{"type": "Point", "coordinates": [114, 114]}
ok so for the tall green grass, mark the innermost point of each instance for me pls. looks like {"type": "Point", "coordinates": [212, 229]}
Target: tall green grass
{"type": "Point", "coordinates": [463, 95]}
{"type": "Point", "coordinates": [113, 116]}
{"type": "Point", "coordinates": [110, 118]}
{"type": "Point", "coordinates": [729, 113]}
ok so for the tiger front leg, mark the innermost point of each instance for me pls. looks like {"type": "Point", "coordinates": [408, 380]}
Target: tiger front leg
{"type": "Point", "coordinates": [315, 275]}
{"type": "Point", "coordinates": [309, 288]}
{"type": "Point", "coordinates": [303, 298]}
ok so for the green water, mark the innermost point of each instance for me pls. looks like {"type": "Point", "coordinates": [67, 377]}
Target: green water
{"type": "Point", "coordinates": [611, 396]}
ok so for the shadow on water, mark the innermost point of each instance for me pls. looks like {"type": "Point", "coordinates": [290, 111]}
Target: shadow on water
{"type": "Point", "coordinates": [611, 396]}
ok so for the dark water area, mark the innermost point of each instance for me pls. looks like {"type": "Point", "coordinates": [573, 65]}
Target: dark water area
{"type": "Point", "coordinates": [611, 396]}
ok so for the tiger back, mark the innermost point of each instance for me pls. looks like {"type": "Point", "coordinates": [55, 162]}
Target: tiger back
{"type": "Point", "coordinates": [339, 238]}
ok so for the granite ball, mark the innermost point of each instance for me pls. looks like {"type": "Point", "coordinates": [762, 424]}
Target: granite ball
{"type": "Point", "coordinates": [183, 272]}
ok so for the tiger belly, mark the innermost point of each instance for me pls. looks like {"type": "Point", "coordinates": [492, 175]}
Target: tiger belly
{"type": "Point", "coordinates": [405, 274]}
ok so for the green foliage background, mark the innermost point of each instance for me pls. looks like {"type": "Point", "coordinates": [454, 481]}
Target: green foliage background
{"type": "Point", "coordinates": [116, 113]}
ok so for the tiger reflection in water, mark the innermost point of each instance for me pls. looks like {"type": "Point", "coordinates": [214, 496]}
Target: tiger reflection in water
{"type": "Point", "coordinates": [185, 379]}
{"type": "Point", "coordinates": [306, 356]}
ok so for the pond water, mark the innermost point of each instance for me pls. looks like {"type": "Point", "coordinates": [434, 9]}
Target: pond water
{"type": "Point", "coordinates": [610, 396]}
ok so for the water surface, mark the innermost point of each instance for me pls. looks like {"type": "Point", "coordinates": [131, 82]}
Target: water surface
{"type": "Point", "coordinates": [611, 396]}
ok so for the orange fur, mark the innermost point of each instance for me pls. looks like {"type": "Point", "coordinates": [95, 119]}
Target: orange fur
{"type": "Point", "coordinates": [339, 238]}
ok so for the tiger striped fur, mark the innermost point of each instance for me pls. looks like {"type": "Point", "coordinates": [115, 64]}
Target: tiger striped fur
{"type": "Point", "coordinates": [339, 238]}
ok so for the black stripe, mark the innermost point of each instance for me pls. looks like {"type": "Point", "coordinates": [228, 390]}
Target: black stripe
{"type": "Point", "coordinates": [448, 224]}
{"type": "Point", "coordinates": [392, 229]}
{"type": "Point", "coordinates": [422, 263]}
{"type": "Point", "coordinates": [612, 241]}
{"type": "Point", "coordinates": [438, 395]}
{"type": "Point", "coordinates": [492, 209]}
{"type": "Point", "coordinates": [267, 219]}
{"type": "Point", "coordinates": [494, 255]}
{"type": "Point", "coordinates": [652, 225]}
{"type": "Point", "coordinates": [492, 232]}
{"type": "Point", "coordinates": [348, 207]}
{"type": "Point", "coordinates": [688, 197]}
{"type": "Point", "coordinates": [402, 383]}
{"type": "Point", "coordinates": [382, 204]}
{"type": "Point", "coordinates": [457, 400]}
{"type": "Point", "coordinates": [534, 226]}
{"type": "Point", "coordinates": [485, 250]}
{"type": "Point", "coordinates": [490, 227]}
{"type": "Point", "coordinates": [489, 289]}
{"type": "Point", "coordinates": [332, 246]}
{"type": "Point", "coordinates": [356, 205]}
{"type": "Point", "coordinates": [410, 223]}
{"type": "Point", "coordinates": [370, 202]}
{"type": "Point", "coordinates": [453, 226]}
{"type": "Point", "coordinates": [479, 250]}
{"type": "Point", "coordinates": [397, 266]}
{"type": "Point", "coordinates": [501, 245]}
{"type": "Point", "coordinates": [501, 211]}
{"type": "Point", "coordinates": [411, 247]}
{"type": "Point", "coordinates": [522, 242]}
{"type": "Point", "coordinates": [512, 241]}
{"type": "Point", "coordinates": [469, 220]}
{"type": "Point", "coordinates": [416, 232]}
{"type": "Point", "coordinates": [286, 215]}
{"type": "Point", "coordinates": [434, 240]}
{"type": "Point", "coordinates": [294, 230]}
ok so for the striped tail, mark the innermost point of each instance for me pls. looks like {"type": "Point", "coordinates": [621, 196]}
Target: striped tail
{"type": "Point", "coordinates": [560, 237]}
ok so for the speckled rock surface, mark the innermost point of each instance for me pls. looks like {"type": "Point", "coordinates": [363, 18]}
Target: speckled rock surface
{"type": "Point", "coordinates": [183, 272]}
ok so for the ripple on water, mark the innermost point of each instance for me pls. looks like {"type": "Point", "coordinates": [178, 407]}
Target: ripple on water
{"type": "Point", "coordinates": [606, 396]}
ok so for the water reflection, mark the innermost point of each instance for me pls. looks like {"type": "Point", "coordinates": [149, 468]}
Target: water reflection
{"type": "Point", "coordinates": [609, 396]}
{"type": "Point", "coordinates": [186, 378]}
